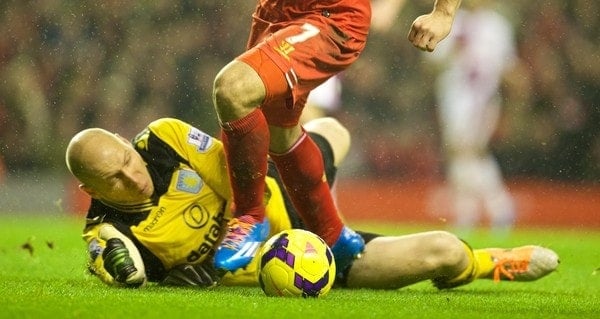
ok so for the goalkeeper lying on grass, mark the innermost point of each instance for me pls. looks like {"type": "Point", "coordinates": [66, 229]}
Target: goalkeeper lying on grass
{"type": "Point", "coordinates": [160, 204]}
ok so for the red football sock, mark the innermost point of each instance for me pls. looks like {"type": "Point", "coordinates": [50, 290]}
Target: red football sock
{"type": "Point", "coordinates": [303, 174]}
{"type": "Point", "coordinates": [246, 144]}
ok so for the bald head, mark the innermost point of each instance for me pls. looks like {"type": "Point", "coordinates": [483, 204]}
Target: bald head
{"type": "Point", "coordinates": [108, 167]}
{"type": "Point", "coordinates": [89, 151]}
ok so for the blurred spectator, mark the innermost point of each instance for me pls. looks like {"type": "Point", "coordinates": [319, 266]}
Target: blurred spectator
{"type": "Point", "coordinates": [3, 121]}
{"type": "Point", "coordinates": [65, 66]}
{"type": "Point", "coordinates": [385, 14]}
{"type": "Point", "coordinates": [560, 121]}
{"type": "Point", "coordinates": [478, 52]}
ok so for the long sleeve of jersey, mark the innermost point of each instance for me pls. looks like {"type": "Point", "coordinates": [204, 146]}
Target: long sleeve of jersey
{"type": "Point", "coordinates": [202, 152]}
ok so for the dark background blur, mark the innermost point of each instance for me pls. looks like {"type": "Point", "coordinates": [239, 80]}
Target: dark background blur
{"type": "Point", "coordinates": [69, 65]}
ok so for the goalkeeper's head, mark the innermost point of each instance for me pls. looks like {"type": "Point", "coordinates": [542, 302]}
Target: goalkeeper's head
{"type": "Point", "coordinates": [108, 167]}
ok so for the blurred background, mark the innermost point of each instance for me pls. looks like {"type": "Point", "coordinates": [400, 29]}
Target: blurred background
{"type": "Point", "coordinates": [70, 65]}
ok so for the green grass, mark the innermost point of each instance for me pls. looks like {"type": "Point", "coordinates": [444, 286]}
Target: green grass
{"type": "Point", "coordinates": [52, 282]}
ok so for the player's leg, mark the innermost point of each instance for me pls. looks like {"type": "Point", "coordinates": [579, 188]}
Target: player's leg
{"type": "Point", "coordinates": [497, 200]}
{"type": "Point", "coordinates": [398, 261]}
{"type": "Point", "coordinates": [303, 173]}
{"type": "Point", "coordinates": [297, 157]}
{"type": "Point", "coordinates": [306, 169]}
{"type": "Point", "coordinates": [253, 80]}
{"type": "Point", "coordinates": [241, 90]}
{"type": "Point", "coordinates": [334, 140]}
{"type": "Point", "coordinates": [238, 91]}
{"type": "Point", "coordinates": [459, 119]}
{"type": "Point", "coordinates": [463, 181]}
{"type": "Point", "coordinates": [285, 62]}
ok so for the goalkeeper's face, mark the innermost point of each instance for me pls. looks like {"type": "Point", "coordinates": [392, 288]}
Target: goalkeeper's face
{"type": "Point", "coordinates": [117, 173]}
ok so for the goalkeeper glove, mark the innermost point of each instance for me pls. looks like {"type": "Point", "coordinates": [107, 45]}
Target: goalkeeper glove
{"type": "Point", "coordinates": [202, 275]}
{"type": "Point", "coordinates": [117, 261]}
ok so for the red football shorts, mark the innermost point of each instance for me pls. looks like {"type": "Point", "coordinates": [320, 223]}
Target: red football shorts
{"type": "Point", "coordinates": [293, 58]}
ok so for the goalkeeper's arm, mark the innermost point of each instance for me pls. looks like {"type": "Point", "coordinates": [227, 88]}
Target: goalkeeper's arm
{"type": "Point", "coordinates": [113, 256]}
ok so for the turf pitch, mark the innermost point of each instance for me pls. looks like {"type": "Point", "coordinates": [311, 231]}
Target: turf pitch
{"type": "Point", "coordinates": [42, 274]}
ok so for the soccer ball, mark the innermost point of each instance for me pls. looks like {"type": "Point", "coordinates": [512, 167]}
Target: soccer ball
{"type": "Point", "coordinates": [296, 263]}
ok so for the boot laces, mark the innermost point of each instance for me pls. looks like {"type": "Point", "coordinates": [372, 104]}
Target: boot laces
{"type": "Point", "coordinates": [237, 230]}
{"type": "Point", "coordinates": [509, 267]}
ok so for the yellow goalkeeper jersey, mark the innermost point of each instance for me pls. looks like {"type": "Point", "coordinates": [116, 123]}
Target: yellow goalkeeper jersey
{"type": "Point", "coordinates": [185, 218]}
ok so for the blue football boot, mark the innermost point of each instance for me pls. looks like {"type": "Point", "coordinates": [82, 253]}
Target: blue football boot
{"type": "Point", "coordinates": [243, 239]}
{"type": "Point", "coordinates": [348, 247]}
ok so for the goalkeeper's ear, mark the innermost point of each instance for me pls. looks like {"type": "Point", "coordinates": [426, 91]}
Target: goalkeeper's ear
{"type": "Point", "coordinates": [96, 237]}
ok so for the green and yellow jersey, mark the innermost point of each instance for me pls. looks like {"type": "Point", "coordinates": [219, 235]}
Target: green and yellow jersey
{"type": "Point", "coordinates": [186, 216]}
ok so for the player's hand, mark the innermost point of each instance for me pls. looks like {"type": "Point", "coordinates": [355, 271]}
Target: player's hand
{"type": "Point", "coordinates": [119, 264]}
{"type": "Point", "coordinates": [429, 29]}
{"type": "Point", "coordinates": [202, 275]}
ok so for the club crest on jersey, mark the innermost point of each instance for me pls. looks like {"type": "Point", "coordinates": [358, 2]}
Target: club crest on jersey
{"type": "Point", "coordinates": [284, 49]}
{"type": "Point", "coordinates": [189, 182]}
{"type": "Point", "coordinates": [199, 139]}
